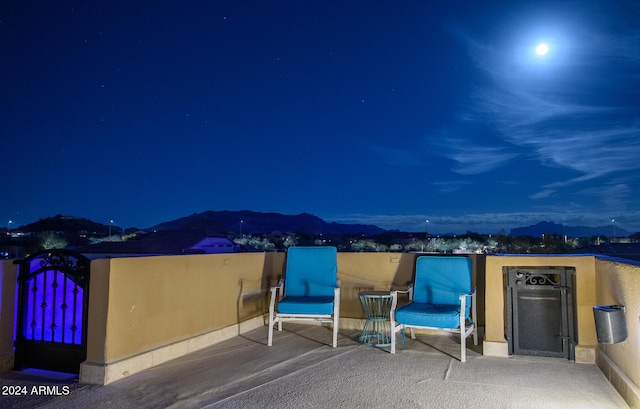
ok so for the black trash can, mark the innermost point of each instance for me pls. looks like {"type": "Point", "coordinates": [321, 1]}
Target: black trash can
{"type": "Point", "coordinates": [611, 326]}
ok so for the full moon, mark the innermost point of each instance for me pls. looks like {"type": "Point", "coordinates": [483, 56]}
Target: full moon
{"type": "Point", "coordinates": [542, 49]}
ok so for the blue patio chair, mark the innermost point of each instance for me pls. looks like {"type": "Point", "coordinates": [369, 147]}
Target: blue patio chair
{"type": "Point", "coordinates": [310, 287]}
{"type": "Point", "coordinates": [442, 297]}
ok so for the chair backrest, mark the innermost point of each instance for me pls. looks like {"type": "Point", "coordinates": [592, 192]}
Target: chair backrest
{"type": "Point", "coordinates": [441, 279]}
{"type": "Point", "coordinates": [311, 271]}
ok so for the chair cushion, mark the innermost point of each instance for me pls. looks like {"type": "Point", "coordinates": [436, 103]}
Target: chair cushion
{"type": "Point", "coordinates": [441, 279]}
{"type": "Point", "coordinates": [429, 315]}
{"type": "Point", "coordinates": [311, 271]}
{"type": "Point", "coordinates": [306, 305]}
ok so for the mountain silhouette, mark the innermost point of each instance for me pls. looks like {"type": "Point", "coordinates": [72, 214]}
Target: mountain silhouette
{"type": "Point", "coordinates": [572, 231]}
{"type": "Point", "coordinates": [68, 225]}
{"type": "Point", "coordinates": [249, 222]}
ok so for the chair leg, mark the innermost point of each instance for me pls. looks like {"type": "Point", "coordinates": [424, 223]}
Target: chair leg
{"type": "Point", "coordinates": [474, 318]}
{"type": "Point", "coordinates": [393, 338]}
{"type": "Point", "coordinates": [463, 346]}
{"type": "Point", "coordinates": [272, 319]}
{"type": "Point", "coordinates": [395, 328]}
{"type": "Point", "coordinates": [475, 334]}
{"type": "Point", "coordinates": [336, 315]}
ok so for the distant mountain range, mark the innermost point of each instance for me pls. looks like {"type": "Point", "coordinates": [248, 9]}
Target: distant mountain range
{"type": "Point", "coordinates": [572, 231]}
{"type": "Point", "coordinates": [220, 222]}
{"type": "Point", "coordinates": [67, 225]}
{"type": "Point", "coordinates": [249, 222]}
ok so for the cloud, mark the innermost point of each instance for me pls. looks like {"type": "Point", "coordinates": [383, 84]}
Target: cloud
{"type": "Point", "coordinates": [573, 110]}
{"type": "Point", "coordinates": [493, 223]}
{"type": "Point", "coordinates": [450, 186]}
{"type": "Point", "coordinates": [543, 194]}
{"type": "Point", "coordinates": [612, 197]}
{"type": "Point", "coordinates": [471, 157]}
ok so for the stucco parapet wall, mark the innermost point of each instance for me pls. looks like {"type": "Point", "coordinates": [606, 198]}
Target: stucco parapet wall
{"type": "Point", "coordinates": [98, 373]}
{"type": "Point", "coordinates": [6, 361]}
{"type": "Point", "coordinates": [620, 381]}
{"type": "Point", "coordinates": [8, 277]}
{"type": "Point", "coordinates": [596, 256]}
{"type": "Point", "coordinates": [618, 260]}
{"type": "Point", "coordinates": [618, 282]}
{"type": "Point", "coordinates": [145, 310]}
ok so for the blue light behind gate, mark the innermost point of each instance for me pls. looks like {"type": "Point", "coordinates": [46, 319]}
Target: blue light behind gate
{"type": "Point", "coordinates": [54, 298]}
{"type": "Point", "coordinates": [54, 309]}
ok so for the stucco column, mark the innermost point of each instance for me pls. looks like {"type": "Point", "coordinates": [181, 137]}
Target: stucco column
{"type": "Point", "coordinates": [8, 276]}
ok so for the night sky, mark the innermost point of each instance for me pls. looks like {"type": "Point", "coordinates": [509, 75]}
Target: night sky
{"type": "Point", "coordinates": [389, 113]}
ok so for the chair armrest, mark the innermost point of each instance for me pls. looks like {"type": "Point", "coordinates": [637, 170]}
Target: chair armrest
{"type": "Point", "coordinates": [280, 288]}
{"type": "Point", "coordinates": [276, 292]}
{"type": "Point", "coordinates": [394, 294]}
{"type": "Point", "coordinates": [410, 291]}
{"type": "Point", "coordinates": [394, 300]}
{"type": "Point", "coordinates": [394, 305]}
{"type": "Point", "coordinates": [407, 291]}
{"type": "Point", "coordinates": [463, 304]}
{"type": "Point", "coordinates": [470, 294]}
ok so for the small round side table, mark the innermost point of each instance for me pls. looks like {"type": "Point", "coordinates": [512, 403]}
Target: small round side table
{"type": "Point", "coordinates": [377, 327]}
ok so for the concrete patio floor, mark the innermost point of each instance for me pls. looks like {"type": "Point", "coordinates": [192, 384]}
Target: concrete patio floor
{"type": "Point", "coordinates": [301, 370]}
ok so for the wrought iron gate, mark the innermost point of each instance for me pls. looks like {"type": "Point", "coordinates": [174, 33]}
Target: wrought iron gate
{"type": "Point", "coordinates": [540, 314]}
{"type": "Point", "coordinates": [53, 295]}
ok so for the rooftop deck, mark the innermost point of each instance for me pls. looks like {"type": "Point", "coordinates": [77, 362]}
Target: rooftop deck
{"type": "Point", "coordinates": [302, 371]}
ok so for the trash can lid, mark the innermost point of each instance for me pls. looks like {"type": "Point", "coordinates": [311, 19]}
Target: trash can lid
{"type": "Point", "coordinates": [608, 307]}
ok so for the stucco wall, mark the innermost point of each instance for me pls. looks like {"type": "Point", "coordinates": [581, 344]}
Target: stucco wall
{"type": "Point", "coordinates": [8, 274]}
{"type": "Point", "coordinates": [146, 310]}
{"type": "Point", "coordinates": [138, 304]}
{"type": "Point", "coordinates": [495, 342]}
{"type": "Point", "coordinates": [359, 272]}
{"type": "Point", "coordinates": [619, 283]}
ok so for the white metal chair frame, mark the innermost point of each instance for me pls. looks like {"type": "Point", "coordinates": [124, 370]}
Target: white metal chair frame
{"type": "Point", "coordinates": [463, 329]}
{"type": "Point", "coordinates": [277, 293]}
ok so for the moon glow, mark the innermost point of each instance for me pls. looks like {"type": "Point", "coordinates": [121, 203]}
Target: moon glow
{"type": "Point", "coordinates": [542, 49]}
